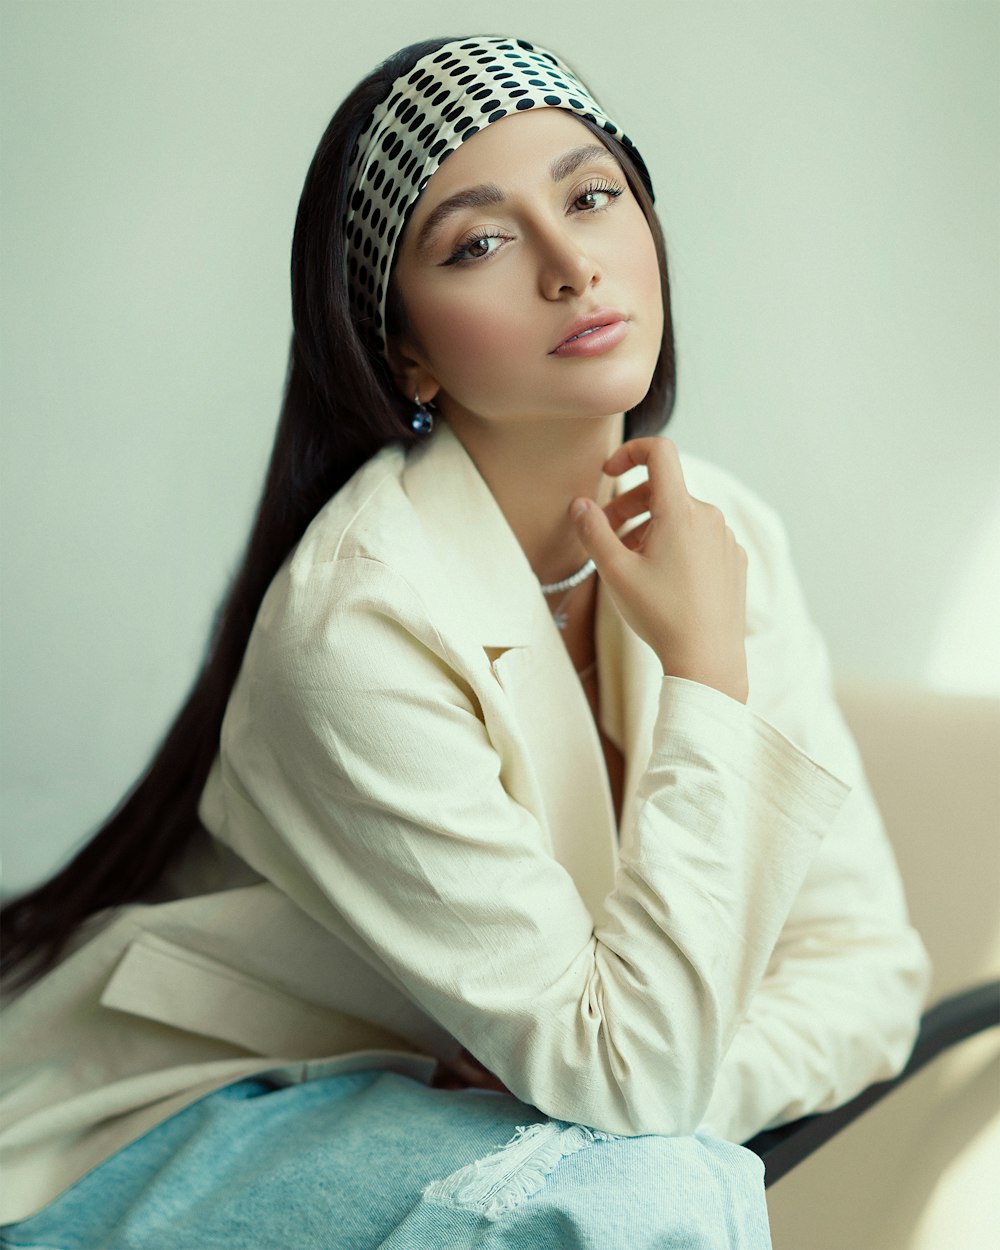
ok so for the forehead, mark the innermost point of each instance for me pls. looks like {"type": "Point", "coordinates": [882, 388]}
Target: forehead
{"type": "Point", "coordinates": [521, 145]}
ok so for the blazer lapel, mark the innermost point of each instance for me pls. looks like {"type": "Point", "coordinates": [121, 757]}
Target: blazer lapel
{"type": "Point", "coordinates": [566, 758]}
{"type": "Point", "coordinates": [484, 583]}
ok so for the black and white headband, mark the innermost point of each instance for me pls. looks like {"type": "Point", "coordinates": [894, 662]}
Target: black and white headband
{"type": "Point", "coordinates": [448, 96]}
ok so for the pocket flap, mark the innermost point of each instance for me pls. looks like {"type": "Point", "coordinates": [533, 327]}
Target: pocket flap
{"type": "Point", "coordinates": [185, 989]}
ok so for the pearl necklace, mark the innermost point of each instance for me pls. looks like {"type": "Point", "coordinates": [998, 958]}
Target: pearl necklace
{"type": "Point", "coordinates": [569, 584]}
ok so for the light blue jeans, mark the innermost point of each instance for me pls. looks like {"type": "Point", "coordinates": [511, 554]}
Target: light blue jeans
{"type": "Point", "coordinates": [378, 1161]}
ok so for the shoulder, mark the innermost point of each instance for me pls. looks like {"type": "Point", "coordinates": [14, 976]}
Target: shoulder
{"type": "Point", "coordinates": [772, 584]}
{"type": "Point", "coordinates": [369, 517]}
{"type": "Point", "coordinates": [349, 585]}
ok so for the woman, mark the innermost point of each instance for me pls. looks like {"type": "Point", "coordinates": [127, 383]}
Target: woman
{"type": "Point", "coordinates": [531, 811]}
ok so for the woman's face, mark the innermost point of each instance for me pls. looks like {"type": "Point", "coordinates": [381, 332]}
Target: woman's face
{"type": "Point", "coordinates": [524, 230]}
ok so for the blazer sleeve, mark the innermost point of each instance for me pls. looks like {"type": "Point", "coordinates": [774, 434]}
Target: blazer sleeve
{"type": "Point", "coordinates": [839, 1004]}
{"type": "Point", "coordinates": [362, 743]}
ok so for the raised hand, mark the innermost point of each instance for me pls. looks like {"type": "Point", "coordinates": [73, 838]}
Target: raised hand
{"type": "Point", "coordinates": [678, 578]}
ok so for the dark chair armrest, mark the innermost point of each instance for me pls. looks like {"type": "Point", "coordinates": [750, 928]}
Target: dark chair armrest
{"type": "Point", "coordinates": [948, 1022]}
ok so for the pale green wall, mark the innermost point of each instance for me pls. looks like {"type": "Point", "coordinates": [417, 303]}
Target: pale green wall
{"type": "Point", "coordinates": [827, 176]}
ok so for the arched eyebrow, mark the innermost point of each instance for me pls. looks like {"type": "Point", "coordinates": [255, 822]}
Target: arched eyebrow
{"type": "Point", "coordinates": [488, 193]}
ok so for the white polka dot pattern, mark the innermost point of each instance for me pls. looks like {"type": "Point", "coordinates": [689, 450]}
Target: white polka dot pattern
{"type": "Point", "coordinates": [447, 97]}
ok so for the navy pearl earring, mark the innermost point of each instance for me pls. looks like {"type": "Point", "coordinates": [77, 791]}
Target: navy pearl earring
{"type": "Point", "coordinates": [422, 422]}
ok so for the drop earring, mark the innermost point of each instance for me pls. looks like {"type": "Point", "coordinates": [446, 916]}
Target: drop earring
{"type": "Point", "coordinates": [422, 421]}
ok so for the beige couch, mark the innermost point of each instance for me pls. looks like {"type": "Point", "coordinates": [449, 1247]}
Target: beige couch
{"type": "Point", "coordinates": [921, 1169]}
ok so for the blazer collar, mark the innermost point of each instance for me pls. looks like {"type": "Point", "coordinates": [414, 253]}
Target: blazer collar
{"type": "Point", "coordinates": [480, 574]}
{"type": "Point", "coordinates": [487, 575]}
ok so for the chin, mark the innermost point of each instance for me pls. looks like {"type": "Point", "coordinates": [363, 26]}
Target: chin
{"type": "Point", "coordinates": [608, 396]}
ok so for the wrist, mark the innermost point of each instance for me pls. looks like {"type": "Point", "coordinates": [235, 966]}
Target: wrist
{"type": "Point", "coordinates": [733, 684]}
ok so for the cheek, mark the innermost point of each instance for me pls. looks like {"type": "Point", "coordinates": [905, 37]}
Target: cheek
{"type": "Point", "coordinates": [641, 271]}
{"type": "Point", "coordinates": [471, 336]}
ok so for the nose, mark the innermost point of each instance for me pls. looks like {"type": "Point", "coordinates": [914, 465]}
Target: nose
{"type": "Point", "coordinates": [566, 267]}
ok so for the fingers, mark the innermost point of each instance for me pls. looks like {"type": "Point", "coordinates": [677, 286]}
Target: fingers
{"type": "Point", "coordinates": [598, 538]}
{"type": "Point", "coordinates": [663, 491]}
{"type": "Point", "coordinates": [464, 1071]}
{"type": "Point", "coordinates": [659, 454]}
{"type": "Point", "coordinates": [635, 537]}
{"type": "Point", "coordinates": [631, 504]}
{"type": "Point", "coordinates": [678, 575]}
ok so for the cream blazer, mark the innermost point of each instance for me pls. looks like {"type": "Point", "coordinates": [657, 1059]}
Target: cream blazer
{"type": "Point", "coordinates": [412, 848]}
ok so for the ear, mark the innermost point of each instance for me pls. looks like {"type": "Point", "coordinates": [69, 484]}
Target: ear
{"type": "Point", "coordinates": [409, 372]}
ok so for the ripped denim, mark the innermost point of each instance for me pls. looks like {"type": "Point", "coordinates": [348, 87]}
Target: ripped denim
{"type": "Point", "coordinates": [378, 1161]}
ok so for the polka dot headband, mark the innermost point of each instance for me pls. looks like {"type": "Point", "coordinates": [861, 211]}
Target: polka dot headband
{"type": "Point", "coordinates": [448, 96]}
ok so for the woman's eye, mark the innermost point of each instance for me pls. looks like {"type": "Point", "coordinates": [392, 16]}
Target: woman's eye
{"type": "Point", "coordinates": [598, 196]}
{"type": "Point", "coordinates": [476, 248]}
{"type": "Point", "coordinates": [479, 247]}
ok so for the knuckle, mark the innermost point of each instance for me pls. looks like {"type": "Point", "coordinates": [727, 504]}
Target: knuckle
{"type": "Point", "coordinates": [691, 507]}
{"type": "Point", "coordinates": [713, 514]}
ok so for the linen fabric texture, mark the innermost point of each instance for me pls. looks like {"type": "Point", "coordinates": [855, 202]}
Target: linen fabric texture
{"type": "Point", "coordinates": [450, 95]}
{"type": "Point", "coordinates": [411, 848]}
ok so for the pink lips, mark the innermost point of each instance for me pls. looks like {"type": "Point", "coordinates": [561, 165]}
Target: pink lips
{"type": "Point", "coordinates": [593, 334]}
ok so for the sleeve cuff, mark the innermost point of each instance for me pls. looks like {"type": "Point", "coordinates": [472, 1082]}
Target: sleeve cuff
{"type": "Point", "coordinates": [699, 723]}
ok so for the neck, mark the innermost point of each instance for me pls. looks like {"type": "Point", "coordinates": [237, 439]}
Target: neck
{"type": "Point", "coordinates": [534, 470]}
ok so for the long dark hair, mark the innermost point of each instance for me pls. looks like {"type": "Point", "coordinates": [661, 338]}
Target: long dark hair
{"type": "Point", "coordinates": [340, 407]}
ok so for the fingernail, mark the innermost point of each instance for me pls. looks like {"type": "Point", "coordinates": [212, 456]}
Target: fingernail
{"type": "Point", "coordinates": [579, 507]}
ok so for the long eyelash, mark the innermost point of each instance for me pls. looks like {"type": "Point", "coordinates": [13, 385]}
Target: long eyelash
{"type": "Point", "coordinates": [612, 188]}
{"type": "Point", "coordinates": [457, 255]}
